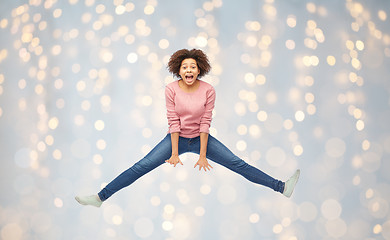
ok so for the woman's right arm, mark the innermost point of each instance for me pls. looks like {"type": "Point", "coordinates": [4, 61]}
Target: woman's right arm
{"type": "Point", "coordinates": [174, 126]}
{"type": "Point", "coordinates": [174, 159]}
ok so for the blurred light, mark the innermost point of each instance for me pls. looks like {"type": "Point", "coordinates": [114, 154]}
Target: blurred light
{"type": "Point", "coordinates": [169, 208]}
{"type": "Point", "coordinates": [167, 226]}
{"type": "Point", "coordinates": [208, 6]}
{"type": "Point", "coordinates": [57, 13]}
{"type": "Point", "coordinates": [249, 78]}
{"type": "Point", "coordinates": [260, 79]}
{"type": "Point", "coordinates": [72, 74]}
{"type": "Point", "coordinates": [163, 44]}
{"type": "Point", "coordinates": [290, 44]}
{"type": "Point", "coordinates": [85, 105]}
{"type": "Point", "coordinates": [350, 45]}
{"type": "Point", "coordinates": [331, 60]}
{"type": "Point", "coordinates": [270, 10]}
{"type": "Point", "coordinates": [155, 201]}
{"type": "Point", "coordinates": [288, 124]}
{"type": "Point", "coordinates": [3, 23]}
{"type": "Point", "coordinates": [143, 50]}
{"type": "Point", "coordinates": [199, 211]}
{"type": "Point", "coordinates": [164, 187]}
{"type": "Point", "coordinates": [117, 220]}
{"type": "Point", "coordinates": [240, 109]}
{"type": "Point", "coordinates": [241, 145]}
{"type": "Point", "coordinates": [97, 159]}
{"type": "Point", "coordinates": [359, 125]}
{"type": "Point", "coordinates": [147, 132]}
{"type": "Point", "coordinates": [99, 125]}
{"type": "Point", "coordinates": [311, 7]}
{"type": "Point", "coordinates": [253, 25]}
{"type": "Point", "coordinates": [132, 57]}
{"type": "Point", "coordinates": [242, 129]}
{"type": "Point", "coordinates": [299, 116]}
{"type": "Point", "coordinates": [12, 231]}
{"type": "Point", "coordinates": [58, 202]}
{"type": "Point", "coordinates": [311, 109]}
{"type": "Point", "coordinates": [147, 100]}
{"type": "Point", "coordinates": [291, 21]}
{"type": "Point", "coordinates": [254, 218]}
{"type": "Point", "coordinates": [53, 123]}
{"type": "Point", "coordinates": [366, 145]}
{"type": "Point", "coordinates": [262, 116]}
{"type": "Point", "coordinates": [86, 17]}
{"type": "Point", "coordinates": [298, 150]}
{"type": "Point", "coordinates": [149, 9]}
{"type": "Point", "coordinates": [129, 7]}
{"type": "Point", "coordinates": [271, 98]}
{"type": "Point", "coordinates": [101, 144]}
{"type": "Point", "coordinates": [377, 229]}
{"type": "Point", "coordinates": [201, 41]}
{"type": "Point", "coordinates": [356, 63]}
{"type": "Point", "coordinates": [100, 8]}
{"type": "Point", "coordinates": [205, 189]}
{"type": "Point", "coordinates": [382, 15]}
{"type": "Point", "coordinates": [57, 154]}
{"type": "Point", "coordinates": [360, 45]}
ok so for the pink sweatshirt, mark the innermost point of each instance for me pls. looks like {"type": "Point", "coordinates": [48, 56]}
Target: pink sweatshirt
{"type": "Point", "coordinates": [189, 113]}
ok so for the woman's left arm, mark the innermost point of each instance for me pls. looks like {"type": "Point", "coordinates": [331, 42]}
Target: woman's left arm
{"type": "Point", "coordinates": [202, 162]}
{"type": "Point", "coordinates": [204, 130]}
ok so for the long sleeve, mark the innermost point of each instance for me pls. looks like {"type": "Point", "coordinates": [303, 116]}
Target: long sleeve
{"type": "Point", "coordinates": [173, 117]}
{"type": "Point", "coordinates": [205, 120]}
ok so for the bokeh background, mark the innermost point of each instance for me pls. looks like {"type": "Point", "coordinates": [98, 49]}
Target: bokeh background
{"type": "Point", "coordinates": [300, 84]}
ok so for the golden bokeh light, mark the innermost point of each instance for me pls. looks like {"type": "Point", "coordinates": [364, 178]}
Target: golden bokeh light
{"type": "Point", "coordinates": [82, 98]}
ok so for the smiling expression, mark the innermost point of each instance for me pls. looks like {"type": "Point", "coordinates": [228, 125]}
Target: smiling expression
{"type": "Point", "coordinates": [189, 71]}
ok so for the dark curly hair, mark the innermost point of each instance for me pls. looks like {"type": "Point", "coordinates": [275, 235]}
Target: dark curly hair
{"type": "Point", "coordinates": [199, 56]}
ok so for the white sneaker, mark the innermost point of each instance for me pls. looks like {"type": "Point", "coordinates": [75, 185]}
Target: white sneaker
{"type": "Point", "coordinates": [92, 200]}
{"type": "Point", "coordinates": [289, 185]}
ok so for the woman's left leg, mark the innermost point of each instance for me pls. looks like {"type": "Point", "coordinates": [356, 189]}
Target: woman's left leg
{"type": "Point", "coordinates": [219, 153]}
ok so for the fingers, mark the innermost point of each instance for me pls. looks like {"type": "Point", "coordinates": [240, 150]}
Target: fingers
{"type": "Point", "coordinates": [205, 166]}
{"type": "Point", "coordinates": [174, 162]}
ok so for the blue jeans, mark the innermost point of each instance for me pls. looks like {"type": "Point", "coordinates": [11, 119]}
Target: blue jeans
{"type": "Point", "coordinates": [216, 152]}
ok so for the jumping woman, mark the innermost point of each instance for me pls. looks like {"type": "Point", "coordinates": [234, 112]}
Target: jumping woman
{"type": "Point", "coordinates": [189, 103]}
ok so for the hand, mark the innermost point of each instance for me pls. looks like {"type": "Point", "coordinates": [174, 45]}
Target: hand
{"type": "Point", "coordinates": [202, 163]}
{"type": "Point", "coordinates": [173, 160]}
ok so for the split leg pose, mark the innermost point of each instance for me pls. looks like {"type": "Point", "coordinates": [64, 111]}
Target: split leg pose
{"type": "Point", "coordinates": [190, 103]}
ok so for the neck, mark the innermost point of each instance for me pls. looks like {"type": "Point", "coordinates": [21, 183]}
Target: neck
{"type": "Point", "coordinates": [189, 88]}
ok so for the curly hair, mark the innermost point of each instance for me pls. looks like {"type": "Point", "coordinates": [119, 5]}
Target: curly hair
{"type": "Point", "coordinates": [199, 56]}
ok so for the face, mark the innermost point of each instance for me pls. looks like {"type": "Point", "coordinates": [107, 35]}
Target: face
{"type": "Point", "coordinates": [189, 71]}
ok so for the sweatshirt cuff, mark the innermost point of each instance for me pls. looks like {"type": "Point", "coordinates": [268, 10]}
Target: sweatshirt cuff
{"type": "Point", "coordinates": [204, 128]}
{"type": "Point", "coordinates": [174, 129]}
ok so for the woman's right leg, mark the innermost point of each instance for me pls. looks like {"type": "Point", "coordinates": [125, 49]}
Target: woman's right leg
{"type": "Point", "coordinates": [152, 160]}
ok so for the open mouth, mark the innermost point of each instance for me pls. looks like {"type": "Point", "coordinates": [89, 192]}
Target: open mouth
{"type": "Point", "coordinates": [189, 78]}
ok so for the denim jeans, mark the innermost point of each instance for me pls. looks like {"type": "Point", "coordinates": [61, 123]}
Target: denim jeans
{"type": "Point", "coordinates": [216, 152]}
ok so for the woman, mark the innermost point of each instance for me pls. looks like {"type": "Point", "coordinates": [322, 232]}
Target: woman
{"type": "Point", "coordinates": [189, 103]}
